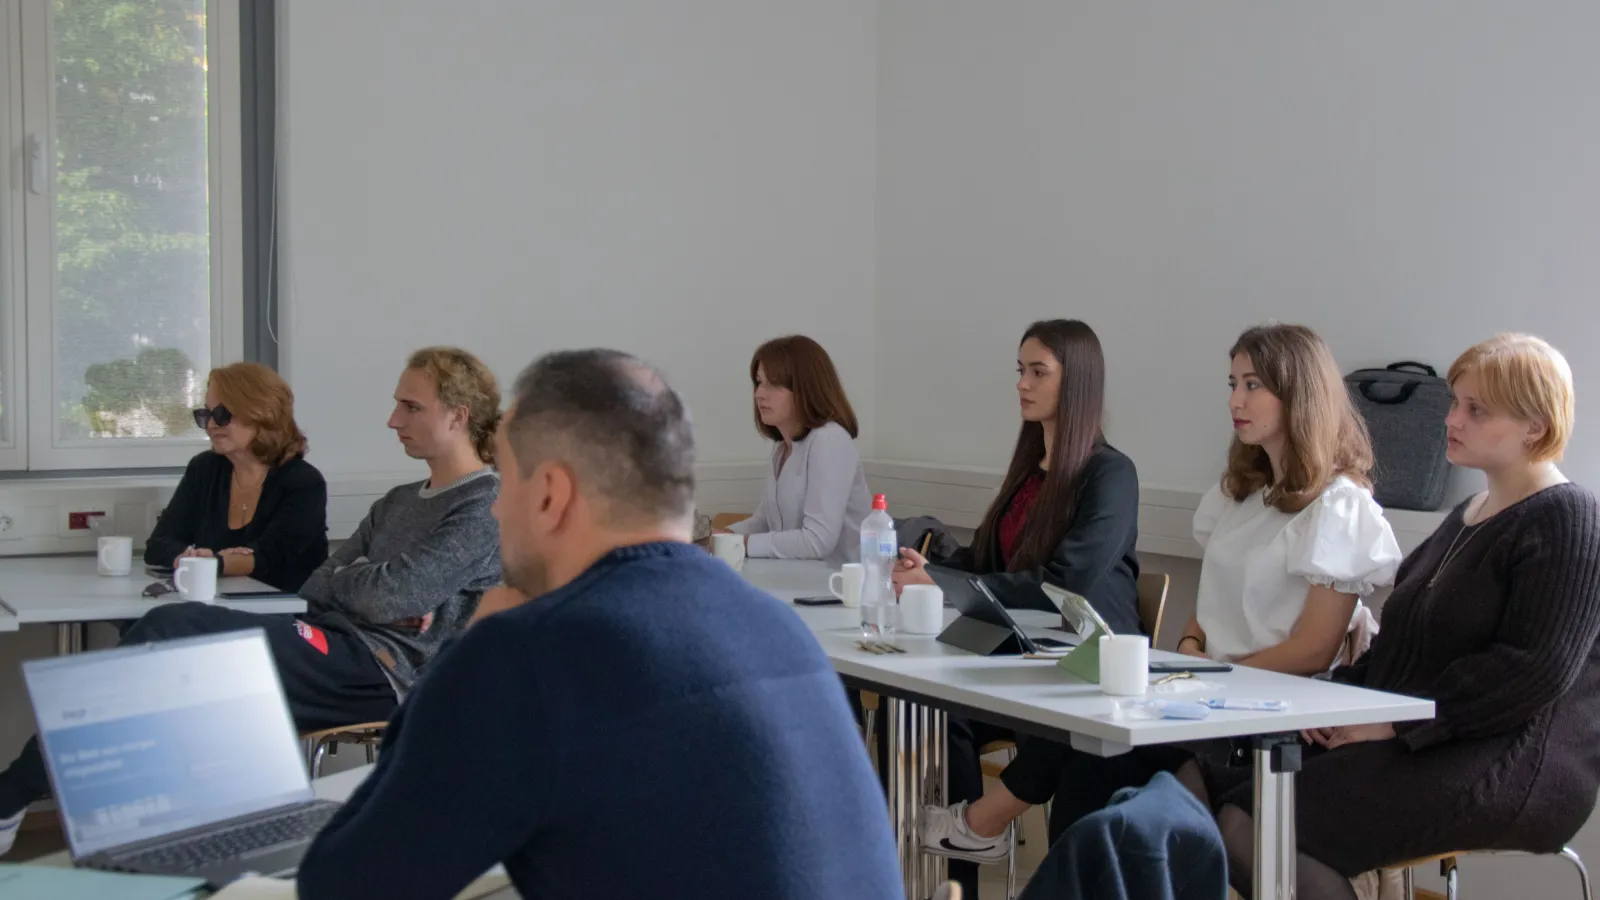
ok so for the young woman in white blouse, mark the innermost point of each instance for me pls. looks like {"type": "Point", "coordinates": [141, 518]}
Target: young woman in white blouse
{"type": "Point", "coordinates": [1293, 539]}
{"type": "Point", "coordinates": [816, 492]}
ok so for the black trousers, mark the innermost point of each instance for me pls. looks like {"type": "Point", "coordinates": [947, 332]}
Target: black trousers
{"type": "Point", "coordinates": [329, 678]}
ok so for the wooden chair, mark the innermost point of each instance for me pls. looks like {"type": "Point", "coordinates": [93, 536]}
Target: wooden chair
{"type": "Point", "coordinates": [724, 520]}
{"type": "Point", "coordinates": [1449, 868]}
{"type": "Point", "coordinates": [318, 744]}
{"type": "Point", "coordinates": [1152, 602]}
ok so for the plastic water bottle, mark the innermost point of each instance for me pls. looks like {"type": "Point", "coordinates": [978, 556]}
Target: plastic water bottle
{"type": "Point", "coordinates": [880, 552]}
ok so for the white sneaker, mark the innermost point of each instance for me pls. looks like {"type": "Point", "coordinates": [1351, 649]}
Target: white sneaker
{"type": "Point", "coordinates": [945, 832]}
{"type": "Point", "coordinates": [8, 831]}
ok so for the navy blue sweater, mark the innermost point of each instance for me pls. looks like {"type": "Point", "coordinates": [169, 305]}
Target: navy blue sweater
{"type": "Point", "coordinates": [658, 727]}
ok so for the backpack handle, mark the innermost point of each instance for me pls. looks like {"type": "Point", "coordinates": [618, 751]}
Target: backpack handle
{"type": "Point", "coordinates": [1424, 368]}
{"type": "Point", "coordinates": [1406, 390]}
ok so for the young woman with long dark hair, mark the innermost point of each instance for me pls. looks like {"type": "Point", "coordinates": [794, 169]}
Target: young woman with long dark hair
{"type": "Point", "coordinates": [1068, 515]}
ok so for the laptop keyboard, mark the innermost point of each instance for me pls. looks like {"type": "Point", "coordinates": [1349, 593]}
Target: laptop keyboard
{"type": "Point", "coordinates": [203, 851]}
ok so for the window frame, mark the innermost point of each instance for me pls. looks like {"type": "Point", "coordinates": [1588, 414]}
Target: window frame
{"type": "Point", "coordinates": [13, 274]}
{"type": "Point", "coordinates": [43, 450]}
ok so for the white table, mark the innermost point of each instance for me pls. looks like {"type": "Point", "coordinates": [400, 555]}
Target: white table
{"type": "Point", "coordinates": [1035, 697]}
{"type": "Point", "coordinates": [67, 591]}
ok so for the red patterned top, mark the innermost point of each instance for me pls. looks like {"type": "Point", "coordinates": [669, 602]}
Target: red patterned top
{"type": "Point", "coordinates": [1016, 516]}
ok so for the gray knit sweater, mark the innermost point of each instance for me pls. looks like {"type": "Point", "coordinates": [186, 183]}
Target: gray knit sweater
{"type": "Point", "coordinates": [418, 551]}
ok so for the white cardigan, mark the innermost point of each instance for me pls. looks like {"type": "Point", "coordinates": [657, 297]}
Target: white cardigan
{"type": "Point", "coordinates": [814, 504]}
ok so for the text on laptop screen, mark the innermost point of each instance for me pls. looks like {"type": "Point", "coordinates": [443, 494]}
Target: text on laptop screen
{"type": "Point", "coordinates": [146, 741]}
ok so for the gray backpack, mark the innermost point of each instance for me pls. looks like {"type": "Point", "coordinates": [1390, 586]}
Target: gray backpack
{"type": "Point", "coordinates": [1404, 405]}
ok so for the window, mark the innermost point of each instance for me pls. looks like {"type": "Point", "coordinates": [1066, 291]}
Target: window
{"type": "Point", "coordinates": [120, 258]}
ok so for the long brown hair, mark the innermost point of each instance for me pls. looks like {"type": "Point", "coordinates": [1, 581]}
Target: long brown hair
{"type": "Point", "coordinates": [800, 364]}
{"type": "Point", "coordinates": [463, 380]}
{"type": "Point", "coordinates": [1079, 431]}
{"type": "Point", "coordinates": [262, 398]}
{"type": "Point", "coordinates": [1324, 436]}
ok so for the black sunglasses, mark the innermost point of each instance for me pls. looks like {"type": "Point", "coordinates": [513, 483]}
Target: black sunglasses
{"type": "Point", "coordinates": [220, 415]}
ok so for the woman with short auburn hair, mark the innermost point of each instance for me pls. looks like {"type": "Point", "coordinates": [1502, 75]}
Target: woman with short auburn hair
{"type": "Point", "coordinates": [251, 500]}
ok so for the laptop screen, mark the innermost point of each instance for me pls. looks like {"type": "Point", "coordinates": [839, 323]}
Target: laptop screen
{"type": "Point", "coordinates": [148, 740]}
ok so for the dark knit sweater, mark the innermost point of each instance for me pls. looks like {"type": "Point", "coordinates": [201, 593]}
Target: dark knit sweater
{"type": "Point", "coordinates": [1507, 633]}
{"type": "Point", "coordinates": [656, 728]}
{"type": "Point", "coordinates": [1504, 643]}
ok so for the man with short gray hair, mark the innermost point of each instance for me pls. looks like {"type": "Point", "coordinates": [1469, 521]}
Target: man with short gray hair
{"type": "Point", "coordinates": [649, 725]}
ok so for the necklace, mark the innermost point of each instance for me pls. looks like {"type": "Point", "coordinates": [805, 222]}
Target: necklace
{"type": "Point", "coordinates": [1452, 551]}
{"type": "Point", "coordinates": [239, 488]}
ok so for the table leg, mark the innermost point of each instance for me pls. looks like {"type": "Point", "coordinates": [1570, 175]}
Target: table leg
{"type": "Point", "coordinates": [1277, 759]}
{"type": "Point", "coordinates": [901, 820]}
{"type": "Point", "coordinates": [70, 637]}
{"type": "Point", "coordinates": [935, 790]}
{"type": "Point", "coordinates": [916, 776]}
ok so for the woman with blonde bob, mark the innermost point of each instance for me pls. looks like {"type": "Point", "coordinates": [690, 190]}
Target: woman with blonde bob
{"type": "Point", "coordinates": [1494, 618]}
{"type": "Point", "coordinates": [251, 500]}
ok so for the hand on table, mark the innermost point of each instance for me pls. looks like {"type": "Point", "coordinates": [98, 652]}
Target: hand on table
{"type": "Point", "coordinates": [192, 552]}
{"type": "Point", "coordinates": [236, 551]}
{"type": "Point", "coordinates": [913, 569]}
{"type": "Point", "coordinates": [1190, 648]}
{"type": "Point", "coordinates": [1333, 738]}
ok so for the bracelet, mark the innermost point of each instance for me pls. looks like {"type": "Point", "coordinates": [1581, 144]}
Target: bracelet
{"type": "Point", "coordinates": [1199, 644]}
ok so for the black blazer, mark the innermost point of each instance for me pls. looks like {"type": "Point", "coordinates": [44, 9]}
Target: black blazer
{"type": "Point", "coordinates": [1097, 559]}
{"type": "Point", "coordinates": [289, 532]}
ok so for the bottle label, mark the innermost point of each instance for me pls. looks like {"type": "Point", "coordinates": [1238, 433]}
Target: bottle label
{"type": "Point", "coordinates": [888, 547]}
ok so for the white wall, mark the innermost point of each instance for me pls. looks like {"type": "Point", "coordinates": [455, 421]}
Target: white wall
{"type": "Point", "coordinates": [682, 180]}
{"type": "Point", "coordinates": [1407, 178]}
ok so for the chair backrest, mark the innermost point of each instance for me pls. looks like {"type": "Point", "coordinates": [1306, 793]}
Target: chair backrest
{"type": "Point", "coordinates": [1152, 602]}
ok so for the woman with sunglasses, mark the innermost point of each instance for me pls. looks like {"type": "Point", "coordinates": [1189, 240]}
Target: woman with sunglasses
{"type": "Point", "coordinates": [251, 501]}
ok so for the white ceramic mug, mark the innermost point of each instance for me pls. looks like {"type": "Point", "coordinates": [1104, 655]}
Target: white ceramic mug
{"type": "Point", "coordinates": [850, 576]}
{"type": "Point", "coordinates": [921, 609]}
{"type": "Point", "coordinates": [1124, 664]}
{"type": "Point", "coordinates": [196, 579]}
{"type": "Point", "coordinates": [116, 556]}
{"type": "Point", "coordinates": [729, 548]}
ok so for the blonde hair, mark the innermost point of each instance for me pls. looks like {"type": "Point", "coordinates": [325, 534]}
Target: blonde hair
{"type": "Point", "coordinates": [1525, 377]}
{"type": "Point", "coordinates": [261, 397]}
{"type": "Point", "coordinates": [463, 380]}
{"type": "Point", "coordinates": [1324, 435]}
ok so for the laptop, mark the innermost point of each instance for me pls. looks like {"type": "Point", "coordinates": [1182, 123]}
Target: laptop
{"type": "Point", "coordinates": [176, 758]}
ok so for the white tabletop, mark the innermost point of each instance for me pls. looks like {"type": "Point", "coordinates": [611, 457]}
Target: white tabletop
{"type": "Point", "coordinates": [1039, 693]}
{"type": "Point", "coordinates": [59, 589]}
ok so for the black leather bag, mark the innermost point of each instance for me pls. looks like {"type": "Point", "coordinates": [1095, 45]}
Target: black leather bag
{"type": "Point", "coordinates": [1404, 405]}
